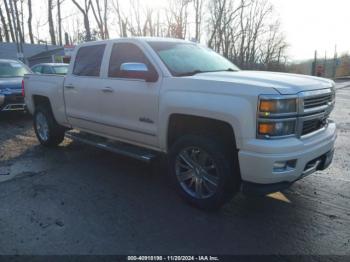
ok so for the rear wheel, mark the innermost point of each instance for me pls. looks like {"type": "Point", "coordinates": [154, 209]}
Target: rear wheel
{"type": "Point", "coordinates": [203, 171]}
{"type": "Point", "coordinates": [48, 132]}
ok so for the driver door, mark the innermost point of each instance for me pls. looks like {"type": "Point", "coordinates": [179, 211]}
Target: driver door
{"type": "Point", "coordinates": [129, 106]}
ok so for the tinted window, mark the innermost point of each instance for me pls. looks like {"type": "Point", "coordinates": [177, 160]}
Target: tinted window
{"type": "Point", "coordinates": [126, 53]}
{"type": "Point", "coordinates": [12, 69]}
{"type": "Point", "coordinates": [60, 70]}
{"type": "Point", "coordinates": [88, 60]}
{"type": "Point", "coordinates": [47, 70]}
{"type": "Point", "coordinates": [36, 69]}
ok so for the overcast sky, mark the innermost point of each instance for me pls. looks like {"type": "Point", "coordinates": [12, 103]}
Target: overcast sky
{"type": "Point", "coordinates": [310, 24]}
{"type": "Point", "coordinates": [307, 24]}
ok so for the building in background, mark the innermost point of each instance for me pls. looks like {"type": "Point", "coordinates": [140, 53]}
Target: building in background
{"type": "Point", "coordinates": [50, 56]}
{"type": "Point", "coordinates": [9, 50]}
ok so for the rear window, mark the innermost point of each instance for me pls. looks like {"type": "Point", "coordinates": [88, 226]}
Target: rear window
{"type": "Point", "coordinates": [60, 70]}
{"type": "Point", "coordinates": [12, 69]}
{"type": "Point", "coordinates": [88, 60]}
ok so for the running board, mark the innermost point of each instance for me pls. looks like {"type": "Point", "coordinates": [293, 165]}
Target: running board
{"type": "Point", "coordinates": [139, 153]}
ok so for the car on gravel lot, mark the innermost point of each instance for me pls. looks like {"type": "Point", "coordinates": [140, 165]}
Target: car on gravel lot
{"type": "Point", "coordinates": [11, 76]}
{"type": "Point", "coordinates": [51, 68]}
{"type": "Point", "coordinates": [221, 128]}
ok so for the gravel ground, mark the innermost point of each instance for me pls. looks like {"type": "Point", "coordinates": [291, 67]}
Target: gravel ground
{"type": "Point", "coordinates": [80, 200]}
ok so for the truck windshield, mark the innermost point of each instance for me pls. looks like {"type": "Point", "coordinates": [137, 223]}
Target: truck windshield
{"type": "Point", "coordinates": [12, 69]}
{"type": "Point", "coordinates": [186, 59]}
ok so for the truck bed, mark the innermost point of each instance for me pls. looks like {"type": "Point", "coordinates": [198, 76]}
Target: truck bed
{"type": "Point", "coordinates": [50, 86]}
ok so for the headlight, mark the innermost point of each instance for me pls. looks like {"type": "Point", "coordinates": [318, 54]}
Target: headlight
{"type": "Point", "coordinates": [277, 106]}
{"type": "Point", "coordinates": [277, 116]}
{"type": "Point", "coordinates": [276, 128]}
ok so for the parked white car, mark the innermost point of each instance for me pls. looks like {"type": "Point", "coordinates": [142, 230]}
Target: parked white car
{"type": "Point", "coordinates": [221, 128]}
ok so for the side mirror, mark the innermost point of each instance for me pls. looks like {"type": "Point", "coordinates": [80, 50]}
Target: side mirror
{"type": "Point", "coordinates": [138, 71]}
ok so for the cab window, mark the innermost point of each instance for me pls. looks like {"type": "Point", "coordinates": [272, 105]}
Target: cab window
{"type": "Point", "coordinates": [126, 53]}
{"type": "Point", "coordinates": [88, 60]}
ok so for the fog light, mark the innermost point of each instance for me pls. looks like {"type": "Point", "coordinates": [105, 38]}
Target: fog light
{"type": "Point", "coordinates": [282, 166]}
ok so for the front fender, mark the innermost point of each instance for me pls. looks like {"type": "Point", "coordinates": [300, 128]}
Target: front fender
{"type": "Point", "coordinates": [238, 112]}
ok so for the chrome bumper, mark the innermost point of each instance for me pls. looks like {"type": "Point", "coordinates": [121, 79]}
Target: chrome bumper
{"type": "Point", "coordinates": [10, 106]}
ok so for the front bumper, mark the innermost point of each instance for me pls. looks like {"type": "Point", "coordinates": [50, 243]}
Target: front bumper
{"type": "Point", "coordinates": [12, 102]}
{"type": "Point", "coordinates": [311, 154]}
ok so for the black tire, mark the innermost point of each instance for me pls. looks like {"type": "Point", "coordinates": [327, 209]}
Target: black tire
{"type": "Point", "coordinates": [226, 172]}
{"type": "Point", "coordinates": [55, 132]}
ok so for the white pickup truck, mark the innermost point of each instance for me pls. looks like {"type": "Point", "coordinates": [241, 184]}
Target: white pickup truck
{"type": "Point", "coordinates": [222, 129]}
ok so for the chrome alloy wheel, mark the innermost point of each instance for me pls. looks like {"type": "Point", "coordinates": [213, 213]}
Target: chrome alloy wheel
{"type": "Point", "coordinates": [197, 173]}
{"type": "Point", "coordinates": [42, 126]}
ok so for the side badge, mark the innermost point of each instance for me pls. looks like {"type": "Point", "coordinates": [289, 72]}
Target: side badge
{"type": "Point", "coordinates": [146, 120]}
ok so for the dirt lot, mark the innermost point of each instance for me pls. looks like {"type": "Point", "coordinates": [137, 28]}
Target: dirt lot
{"type": "Point", "coordinates": [80, 200]}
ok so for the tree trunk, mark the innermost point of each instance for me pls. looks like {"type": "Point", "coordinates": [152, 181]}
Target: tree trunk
{"type": "Point", "coordinates": [85, 13]}
{"type": "Point", "coordinates": [30, 16]}
{"type": "Point", "coordinates": [22, 21]}
{"type": "Point", "coordinates": [105, 20]}
{"type": "Point", "coordinates": [198, 5]}
{"type": "Point", "coordinates": [51, 26]}
{"type": "Point", "coordinates": [4, 25]}
{"type": "Point", "coordinates": [59, 22]}
{"type": "Point", "coordinates": [10, 24]}
{"type": "Point", "coordinates": [98, 18]}
{"type": "Point", "coordinates": [87, 27]}
{"type": "Point", "coordinates": [18, 27]}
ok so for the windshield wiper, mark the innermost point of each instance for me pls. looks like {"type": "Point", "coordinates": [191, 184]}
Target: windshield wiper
{"type": "Point", "coordinates": [191, 73]}
{"type": "Point", "coordinates": [194, 72]}
{"type": "Point", "coordinates": [227, 70]}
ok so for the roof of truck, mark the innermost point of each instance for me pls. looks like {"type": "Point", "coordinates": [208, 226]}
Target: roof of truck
{"type": "Point", "coordinates": [140, 39]}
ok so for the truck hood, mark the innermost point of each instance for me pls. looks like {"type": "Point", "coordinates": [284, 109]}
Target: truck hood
{"type": "Point", "coordinates": [9, 85]}
{"type": "Point", "coordinates": [285, 84]}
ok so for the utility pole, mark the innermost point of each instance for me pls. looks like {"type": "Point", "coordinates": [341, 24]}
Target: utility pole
{"type": "Point", "coordinates": [325, 64]}
{"type": "Point", "coordinates": [335, 61]}
{"type": "Point", "coordinates": [314, 64]}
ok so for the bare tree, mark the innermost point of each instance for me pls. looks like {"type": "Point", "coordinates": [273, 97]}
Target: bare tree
{"type": "Point", "coordinates": [101, 17]}
{"type": "Point", "coordinates": [198, 8]}
{"type": "Point", "coordinates": [122, 20]}
{"type": "Point", "coordinates": [30, 17]}
{"type": "Point", "coordinates": [10, 22]}
{"type": "Point", "coordinates": [59, 21]}
{"type": "Point", "coordinates": [85, 12]}
{"type": "Point", "coordinates": [18, 22]}
{"type": "Point", "coordinates": [50, 20]}
{"type": "Point", "coordinates": [177, 18]}
{"type": "Point", "coordinates": [4, 25]}
{"type": "Point", "coordinates": [245, 32]}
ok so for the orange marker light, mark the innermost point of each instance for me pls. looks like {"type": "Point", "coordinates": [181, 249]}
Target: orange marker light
{"type": "Point", "coordinates": [267, 106]}
{"type": "Point", "coordinates": [266, 128]}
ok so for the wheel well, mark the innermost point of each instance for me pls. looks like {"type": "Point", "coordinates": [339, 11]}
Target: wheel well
{"type": "Point", "coordinates": [41, 100]}
{"type": "Point", "coordinates": [187, 124]}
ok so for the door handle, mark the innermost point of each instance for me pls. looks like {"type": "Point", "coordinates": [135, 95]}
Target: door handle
{"type": "Point", "coordinates": [107, 89]}
{"type": "Point", "coordinates": [69, 86]}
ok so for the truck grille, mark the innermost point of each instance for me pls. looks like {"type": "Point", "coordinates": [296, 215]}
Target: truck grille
{"type": "Point", "coordinates": [318, 101]}
{"type": "Point", "coordinates": [316, 110]}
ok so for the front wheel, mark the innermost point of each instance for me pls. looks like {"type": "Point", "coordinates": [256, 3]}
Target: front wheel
{"type": "Point", "coordinates": [203, 171]}
{"type": "Point", "coordinates": [48, 132]}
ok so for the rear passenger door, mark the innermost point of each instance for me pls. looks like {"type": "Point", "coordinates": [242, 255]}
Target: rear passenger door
{"type": "Point", "coordinates": [82, 88]}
